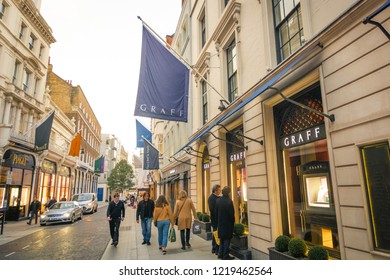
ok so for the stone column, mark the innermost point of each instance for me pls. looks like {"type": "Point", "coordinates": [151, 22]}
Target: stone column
{"type": "Point", "coordinates": [19, 107]}
{"type": "Point", "coordinates": [7, 110]}
{"type": "Point", "coordinates": [30, 122]}
{"type": "Point", "coordinates": [2, 104]}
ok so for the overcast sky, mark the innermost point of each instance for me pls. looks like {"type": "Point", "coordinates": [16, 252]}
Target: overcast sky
{"type": "Point", "coordinates": [99, 46]}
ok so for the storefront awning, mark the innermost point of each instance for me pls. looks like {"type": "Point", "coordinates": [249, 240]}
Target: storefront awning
{"type": "Point", "coordinates": [239, 104]}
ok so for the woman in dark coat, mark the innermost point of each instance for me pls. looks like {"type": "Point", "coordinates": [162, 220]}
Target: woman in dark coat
{"type": "Point", "coordinates": [224, 212]}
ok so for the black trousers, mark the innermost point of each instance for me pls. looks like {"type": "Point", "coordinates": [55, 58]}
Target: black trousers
{"type": "Point", "coordinates": [32, 214]}
{"type": "Point", "coordinates": [114, 229]}
{"type": "Point", "coordinates": [185, 240]}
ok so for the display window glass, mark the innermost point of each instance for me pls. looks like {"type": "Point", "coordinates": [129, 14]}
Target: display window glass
{"type": "Point", "coordinates": [206, 190]}
{"type": "Point", "coordinates": [3, 202]}
{"type": "Point", "coordinates": [306, 193]}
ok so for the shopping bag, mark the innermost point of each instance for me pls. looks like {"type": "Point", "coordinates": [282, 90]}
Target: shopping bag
{"type": "Point", "coordinates": [216, 238]}
{"type": "Point", "coordinates": [196, 229]}
{"type": "Point", "coordinates": [172, 235]}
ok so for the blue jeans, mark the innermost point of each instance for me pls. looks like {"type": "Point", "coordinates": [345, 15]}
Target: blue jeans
{"type": "Point", "coordinates": [146, 225]}
{"type": "Point", "coordinates": [163, 228]}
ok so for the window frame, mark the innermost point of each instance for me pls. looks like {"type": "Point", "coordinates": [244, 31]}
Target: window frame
{"type": "Point", "coordinates": [16, 71]}
{"type": "Point", "coordinates": [203, 29]}
{"type": "Point", "coordinates": [232, 77]}
{"type": "Point", "coordinates": [204, 97]}
{"type": "Point", "coordinates": [296, 12]}
{"type": "Point", "coordinates": [26, 79]}
{"type": "Point", "coordinates": [31, 45]}
{"type": "Point", "coordinates": [3, 8]}
{"type": "Point", "coordinates": [368, 194]}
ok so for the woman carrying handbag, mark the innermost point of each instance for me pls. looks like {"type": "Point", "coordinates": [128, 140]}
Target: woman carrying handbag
{"type": "Point", "coordinates": [162, 215]}
{"type": "Point", "coordinates": [183, 208]}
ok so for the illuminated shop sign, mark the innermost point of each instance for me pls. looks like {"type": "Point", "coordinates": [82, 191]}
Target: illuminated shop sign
{"type": "Point", "coordinates": [303, 137]}
{"type": "Point", "coordinates": [237, 156]}
{"type": "Point", "coordinates": [48, 167]}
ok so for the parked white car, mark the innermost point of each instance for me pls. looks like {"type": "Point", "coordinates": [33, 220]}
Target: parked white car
{"type": "Point", "coordinates": [87, 200]}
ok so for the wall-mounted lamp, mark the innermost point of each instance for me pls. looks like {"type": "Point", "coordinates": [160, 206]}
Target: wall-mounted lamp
{"type": "Point", "coordinates": [221, 106]}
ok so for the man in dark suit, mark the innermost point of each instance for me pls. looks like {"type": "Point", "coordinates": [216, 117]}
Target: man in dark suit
{"type": "Point", "coordinates": [34, 208]}
{"type": "Point", "coordinates": [216, 192]}
{"type": "Point", "coordinates": [224, 212]}
{"type": "Point", "coordinates": [115, 214]}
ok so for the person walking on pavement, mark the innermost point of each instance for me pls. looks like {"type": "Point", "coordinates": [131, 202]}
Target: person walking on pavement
{"type": "Point", "coordinates": [115, 214]}
{"type": "Point", "coordinates": [224, 212]}
{"type": "Point", "coordinates": [162, 215]}
{"type": "Point", "coordinates": [182, 213]}
{"type": "Point", "coordinates": [51, 202]}
{"type": "Point", "coordinates": [145, 211]}
{"type": "Point", "coordinates": [34, 208]}
{"type": "Point", "coordinates": [216, 192]}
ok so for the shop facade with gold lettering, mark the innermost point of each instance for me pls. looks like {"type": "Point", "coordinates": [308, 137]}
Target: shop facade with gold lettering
{"type": "Point", "coordinates": [16, 183]}
{"type": "Point", "coordinates": [46, 181]}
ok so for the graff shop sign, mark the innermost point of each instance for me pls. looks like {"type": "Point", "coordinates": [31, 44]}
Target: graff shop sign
{"type": "Point", "coordinates": [237, 156]}
{"type": "Point", "coordinates": [18, 160]}
{"type": "Point", "coordinates": [303, 137]}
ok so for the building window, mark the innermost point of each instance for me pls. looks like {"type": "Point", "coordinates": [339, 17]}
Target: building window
{"type": "Point", "coordinates": [31, 41]}
{"type": "Point", "coordinates": [41, 51]}
{"type": "Point", "coordinates": [226, 2]}
{"type": "Point", "coordinates": [2, 9]}
{"type": "Point", "coordinates": [26, 80]}
{"type": "Point", "coordinates": [204, 102]}
{"type": "Point", "coordinates": [16, 71]}
{"type": "Point", "coordinates": [376, 164]}
{"type": "Point", "coordinates": [22, 30]}
{"type": "Point", "coordinates": [232, 71]}
{"type": "Point", "coordinates": [288, 27]}
{"type": "Point", "coordinates": [203, 29]}
{"type": "Point", "coordinates": [36, 87]}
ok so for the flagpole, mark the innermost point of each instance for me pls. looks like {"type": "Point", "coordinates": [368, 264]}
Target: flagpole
{"type": "Point", "coordinates": [38, 123]}
{"type": "Point", "coordinates": [182, 59]}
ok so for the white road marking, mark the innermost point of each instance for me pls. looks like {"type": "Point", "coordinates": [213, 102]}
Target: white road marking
{"type": "Point", "coordinates": [25, 247]}
{"type": "Point", "coordinates": [37, 241]}
{"type": "Point", "coordinates": [10, 254]}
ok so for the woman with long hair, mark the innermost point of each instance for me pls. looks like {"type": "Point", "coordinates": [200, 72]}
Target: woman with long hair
{"type": "Point", "coordinates": [183, 208]}
{"type": "Point", "coordinates": [163, 216]}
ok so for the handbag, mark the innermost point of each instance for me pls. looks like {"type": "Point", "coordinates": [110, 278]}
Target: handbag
{"type": "Point", "coordinates": [172, 235]}
{"type": "Point", "coordinates": [177, 218]}
{"type": "Point", "coordinates": [216, 238]}
{"type": "Point", "coordinates": [196, 229]}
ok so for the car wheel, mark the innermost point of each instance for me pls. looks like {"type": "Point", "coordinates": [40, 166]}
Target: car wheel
{"type": "Point", "coordinates": [96, 209]}
{"type": "Point", "coordinates": [42, 225]}
{"type": "Point", "coordinates": [81, 215]}
{"type": "Point", "coordinates": [73, 219]}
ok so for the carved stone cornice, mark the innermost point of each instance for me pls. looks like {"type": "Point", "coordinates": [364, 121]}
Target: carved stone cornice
{"type": "Point", "coordinates": [231, 19]}
{"type": "Point", "coordinates": [202, 65]}
{"type": "Point", "coordinates": [33, 15]}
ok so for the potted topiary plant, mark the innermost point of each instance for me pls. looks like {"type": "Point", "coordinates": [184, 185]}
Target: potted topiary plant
{"type": "Point", "coordinates": [280, 251]}
{"type": "Point", "coordinates": [239, 243]}
{"type": "Point", "coordinates": [318, 253]}
{"type": "Point", "coordinates": [297, 248]}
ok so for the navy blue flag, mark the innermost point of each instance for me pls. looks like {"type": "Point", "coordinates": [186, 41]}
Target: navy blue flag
{"type": "Point", "coordinates": [42, 134]}
{"type": "Point", "coordinates": [163, 83]}
{"type": "Point", "coordinates": [151, 156]}
{"type": "Point", "coordinates": [142, 132]}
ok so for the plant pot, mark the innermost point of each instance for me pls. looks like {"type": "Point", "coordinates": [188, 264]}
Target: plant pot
{"type": "Point", "coordinates": [276, 255]}
{"type": "Point", "coordinates": [239, 247]}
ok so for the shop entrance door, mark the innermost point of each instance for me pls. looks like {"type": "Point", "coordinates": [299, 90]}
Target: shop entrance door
{"type": "Point", "coordinates": [13, 196]}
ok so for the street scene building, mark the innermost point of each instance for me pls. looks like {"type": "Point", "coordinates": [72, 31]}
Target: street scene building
{"type": "Point", "coordinates": [25, 39]}
{"type": "Point", "coordinates": [297, 125]}
{"type": "Point", "coordinates": [72, 101]}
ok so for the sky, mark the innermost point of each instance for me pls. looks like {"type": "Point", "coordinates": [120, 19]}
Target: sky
{"type": "Point", "coordinates": [99, 47]}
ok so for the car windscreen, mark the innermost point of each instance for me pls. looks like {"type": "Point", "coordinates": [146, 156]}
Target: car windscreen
{"type": "Point", "coordinates": [82, 197]}
{"type": "Point", "coordinates": [62, 206]}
